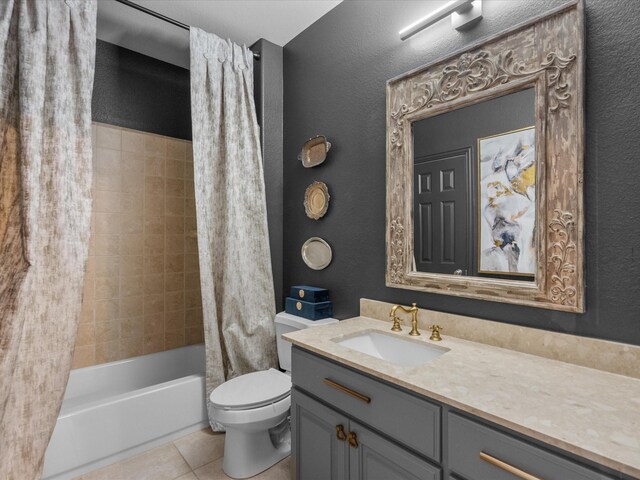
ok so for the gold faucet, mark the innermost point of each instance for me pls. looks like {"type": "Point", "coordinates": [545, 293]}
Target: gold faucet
{"type": "Point", "coordinates": [414, 319]}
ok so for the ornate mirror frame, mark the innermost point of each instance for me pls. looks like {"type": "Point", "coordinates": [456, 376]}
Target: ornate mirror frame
{"type": "Point", "coordinates": [546, 53]}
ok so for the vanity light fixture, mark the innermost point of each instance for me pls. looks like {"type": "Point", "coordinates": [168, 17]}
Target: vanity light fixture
{"type": "Point", "coordinates": [464, 14]}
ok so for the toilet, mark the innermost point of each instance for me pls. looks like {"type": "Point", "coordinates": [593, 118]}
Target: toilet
{"type": "Point", "coordinates": [254, 409]}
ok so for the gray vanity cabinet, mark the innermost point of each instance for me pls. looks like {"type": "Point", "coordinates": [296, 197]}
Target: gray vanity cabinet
{"type": "Point", "coordinates": [348, 425]}
{"type": "Point", "coordinates": [331, 446]}
{"type": "Point", "coordinates": [320, 449]}
{"type": "Point", "coordinates": [405, 418]}
{"type": "Point", "coordinates": [481, 453]}
{"type": "Point", "coordinates": [376, 458]}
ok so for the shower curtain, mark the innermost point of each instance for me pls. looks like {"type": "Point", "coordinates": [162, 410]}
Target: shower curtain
{"type": "Point", "coordinates": [47, 55]}
{"type": "Point", "coordinates": [233, 243]}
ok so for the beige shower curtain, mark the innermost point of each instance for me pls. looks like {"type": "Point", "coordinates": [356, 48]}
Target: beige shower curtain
{"type": "Point", "coordinates": [47, 55]}
{"type": "Point", "coordinates": [233, 243]}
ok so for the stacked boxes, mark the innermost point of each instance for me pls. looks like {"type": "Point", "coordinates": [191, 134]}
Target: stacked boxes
{"type": "Point", "coordinates": [308, 302]}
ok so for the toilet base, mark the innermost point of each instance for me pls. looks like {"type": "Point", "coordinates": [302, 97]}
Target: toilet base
{"type": "Point", "coordinates": [248, 453]}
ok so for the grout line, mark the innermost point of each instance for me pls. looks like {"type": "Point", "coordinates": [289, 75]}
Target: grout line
{"type": "Point", "coordinates": [173, 444]}
{"type": "Point", "coordinates": [183, 457]}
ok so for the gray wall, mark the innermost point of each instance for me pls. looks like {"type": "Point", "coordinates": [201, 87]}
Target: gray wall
{"type": "Point", "coordinates": [135, 91]}
{"type": "Point", "coordinates": [268, 91]}
{"type": "Point", "coordinates": [335, 74]}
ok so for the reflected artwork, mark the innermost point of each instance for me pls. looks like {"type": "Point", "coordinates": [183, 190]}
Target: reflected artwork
{"type": "Point", "coordinates": [507, 203]}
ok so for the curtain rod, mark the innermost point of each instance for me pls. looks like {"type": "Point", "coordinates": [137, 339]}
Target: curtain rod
{"type": "Point", "coordinates": [256, 55]}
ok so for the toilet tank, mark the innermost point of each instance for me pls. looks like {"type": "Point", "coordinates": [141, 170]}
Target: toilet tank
{"type": "Point", "coordinates": [285, 323]}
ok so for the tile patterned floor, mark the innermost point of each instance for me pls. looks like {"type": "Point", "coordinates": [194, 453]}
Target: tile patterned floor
{"type": "Point", "coordinates": [197, 456]}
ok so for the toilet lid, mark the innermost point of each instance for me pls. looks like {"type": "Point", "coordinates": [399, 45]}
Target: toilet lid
{"type": "Point", "coordinates": [252, 390]}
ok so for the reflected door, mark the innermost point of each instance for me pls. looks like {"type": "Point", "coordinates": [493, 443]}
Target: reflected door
{"type": "Point", "coordinates": [442, 217]}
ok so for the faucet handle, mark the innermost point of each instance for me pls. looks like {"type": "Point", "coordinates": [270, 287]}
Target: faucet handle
{"type": "Point", "coordinates": [435, 333]}
{"type": "Point", "coordinates": [394, 318]}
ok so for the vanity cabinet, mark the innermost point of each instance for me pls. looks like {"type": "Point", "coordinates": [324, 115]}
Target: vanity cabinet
{"type": "Point", "coordinates": [329, 445]}
{"type": "Point", "coordinates": [320, 448]}
{"type": "Point", "coordinates": [404, 417]}
{"type": "Point", "coordinates": [479, 452]}
{"type": "Point", "coordinates": [348, 425]}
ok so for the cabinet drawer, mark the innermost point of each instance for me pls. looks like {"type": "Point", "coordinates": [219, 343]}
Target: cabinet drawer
{"type": "Point", "coordinates": [478, 452]}
{"type": "Point", "coordinates": [406, 418]}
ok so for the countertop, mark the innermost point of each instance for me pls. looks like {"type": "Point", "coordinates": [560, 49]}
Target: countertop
{"type": "Point", "coordinates": [591, 413]}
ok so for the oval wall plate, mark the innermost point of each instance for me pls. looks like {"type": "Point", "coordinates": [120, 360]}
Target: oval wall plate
{"type": "Point", "coordinates": [314, 151]}
{"type": "Point", "coordinates": [316, 200]}
{"type": "Point", "coordinates": [316, 253]}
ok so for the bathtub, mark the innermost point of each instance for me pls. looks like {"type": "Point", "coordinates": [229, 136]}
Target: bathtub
{"type": "Point", "coordinates": [115, 410]}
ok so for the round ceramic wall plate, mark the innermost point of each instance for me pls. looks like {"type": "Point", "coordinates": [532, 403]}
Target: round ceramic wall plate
{"type": "Point", "coordinates": [314, 151]}
{"type": "Point", "coordinates": [316, 253]}
{"type": "Point", "coordinates": [316, 200]}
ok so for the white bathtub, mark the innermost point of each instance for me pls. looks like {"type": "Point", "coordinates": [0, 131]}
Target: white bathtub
{"type": "Point", "coordinates": [116, 410]}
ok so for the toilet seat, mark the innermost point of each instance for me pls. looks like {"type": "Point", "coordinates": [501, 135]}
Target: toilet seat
{"type": "Point", "coordinates": [253, 419]}
{"type": "Point", "coordinates": [252, 390]}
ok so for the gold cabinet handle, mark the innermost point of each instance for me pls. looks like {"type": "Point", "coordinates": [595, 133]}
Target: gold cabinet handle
{"type": "Point", "coordinates": [348, 391]}
{"type": "Point", "coordinates": [340, 433]}
{"type": "Point", "coordinates": [353, 440]}
{"type": "Point", "coordinates": [507, 468]}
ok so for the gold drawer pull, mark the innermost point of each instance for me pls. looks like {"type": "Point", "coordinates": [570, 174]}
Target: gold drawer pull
{"type": "Point", "coordinates": [353, 440]}
{"type": "Point", "coordinates": [340, 435]}
{"type": "Point", "coordinates": [348, 391]}
{"type": "Point", "coordinates": [507, 468]}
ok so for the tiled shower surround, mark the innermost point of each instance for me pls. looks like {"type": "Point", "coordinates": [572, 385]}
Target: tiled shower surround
{"type": "Point", "coordinates": [142, 286]}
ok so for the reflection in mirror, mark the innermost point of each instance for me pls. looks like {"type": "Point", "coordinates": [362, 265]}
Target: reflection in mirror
{"type": "Point", "coordinates": [475, 189]}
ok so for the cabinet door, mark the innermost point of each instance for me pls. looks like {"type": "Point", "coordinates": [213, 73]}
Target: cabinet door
{"type": "Point", "coordinates": [372, 457]}
{"type": "Point", "coordinates": [318, 450]}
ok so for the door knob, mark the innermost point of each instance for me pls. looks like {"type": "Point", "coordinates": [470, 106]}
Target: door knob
{"type": "Point", "coordinates": [353, 440]}
{"type": "Point", "coordinates": [340, 435]}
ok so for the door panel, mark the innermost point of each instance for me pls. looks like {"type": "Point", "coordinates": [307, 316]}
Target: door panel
{"type": "Point", "coordinates": [319, 454]}
{"type": "Point", "coordinates": [443, 224]}
{"type": "Point", "coordinates": [375, 458]}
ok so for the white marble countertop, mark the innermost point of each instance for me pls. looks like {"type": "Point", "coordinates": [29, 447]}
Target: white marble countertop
{"type": "Point", "coordinates": [591, 413]}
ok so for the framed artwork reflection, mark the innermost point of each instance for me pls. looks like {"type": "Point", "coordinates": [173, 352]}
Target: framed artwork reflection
{"type": "Point", "coordinates": [507, 203]}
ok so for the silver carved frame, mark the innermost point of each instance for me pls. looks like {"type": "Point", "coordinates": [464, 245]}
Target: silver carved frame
{"type": "Point", "coordinates": [546, 53]}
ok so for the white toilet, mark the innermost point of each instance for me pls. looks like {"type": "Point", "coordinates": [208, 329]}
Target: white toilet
{"type": "Point", "coordinates": [254, 409]}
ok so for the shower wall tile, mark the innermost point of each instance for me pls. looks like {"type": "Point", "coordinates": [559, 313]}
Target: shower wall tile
{"type": "Point", "coordinates": [176, 150]}
{"type": "Point", "coordinates": [194, 335]}
{"type": "Point", "coordinates": [154, 343]}
{"type": "Point", "coordinates": [174, 339]}
{"type": "Point", "coordinates": [132, 141]}
{"type": "Point", "coordinates": [109, 137]}
{"type": "Point", "coordinates": [142, 283]}
{"type": "Point", "coordinates": [174, 168]}
{"type": "Point", "coordinates": [83, 356]}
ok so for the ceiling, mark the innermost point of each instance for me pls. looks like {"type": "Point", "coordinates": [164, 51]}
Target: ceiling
{"type": "Point", "coordinates": [243, 21]}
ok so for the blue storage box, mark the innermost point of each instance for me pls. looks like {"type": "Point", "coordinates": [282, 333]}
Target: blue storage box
{"type": "Point", "coordinates": [308, 310]}
{"type": "Point", "coordinates": [310, 294]}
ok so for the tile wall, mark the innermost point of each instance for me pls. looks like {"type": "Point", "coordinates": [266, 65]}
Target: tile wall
{"type": "Point", "coordinates": [142, 287]}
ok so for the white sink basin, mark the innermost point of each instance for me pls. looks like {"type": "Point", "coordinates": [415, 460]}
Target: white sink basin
{"type": "Point", "coordinates": [392, 348]}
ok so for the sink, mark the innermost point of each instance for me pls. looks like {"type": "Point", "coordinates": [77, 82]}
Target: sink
{"type": "Point", "coordinates": [392, 348]}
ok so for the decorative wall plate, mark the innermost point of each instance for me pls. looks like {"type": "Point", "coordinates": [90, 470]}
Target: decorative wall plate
{"type": "Point", "coordinates": [316, 200]}
{"type": "Point", "coordinates": [316, 253]}
{"type": "Point", "coordinates": [314, 151]}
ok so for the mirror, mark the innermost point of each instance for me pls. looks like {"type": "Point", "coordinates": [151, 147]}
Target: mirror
{"type": "Point", "coordinates": [485, 165]}
{"type": "Point", "coordinates": [474, 193]}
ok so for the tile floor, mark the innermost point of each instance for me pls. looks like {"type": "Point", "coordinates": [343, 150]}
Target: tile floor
{"type": "Point", "coordinates": [197, 456]}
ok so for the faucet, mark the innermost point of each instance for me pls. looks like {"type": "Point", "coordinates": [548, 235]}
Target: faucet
{"type": "Point", "coordinates": [414, 319]}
